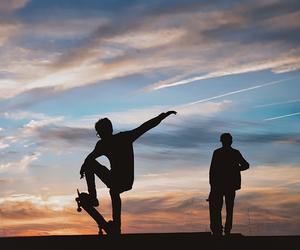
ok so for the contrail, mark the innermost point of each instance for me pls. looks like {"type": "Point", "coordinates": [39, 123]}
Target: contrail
{"type": "Point", "coordinates": [193, 79]}
{"type": "Point", "coordinates": [277, 103]}
{"type": "Point", "coordinates": [240, 91]}
{"type": "Point", "coordinates": [282, 116]}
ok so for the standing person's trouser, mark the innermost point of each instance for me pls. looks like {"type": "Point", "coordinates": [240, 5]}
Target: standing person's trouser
{"type": "Point", "coordinates": [215, 210]}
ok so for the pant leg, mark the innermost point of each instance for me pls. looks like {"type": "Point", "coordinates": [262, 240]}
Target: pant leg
{"type": "Point", "coordinates": [215, 211]}
{"type": "Point", "coordinates": [229, 201]}
{"type": "Point", "coordinates": [101, 171]}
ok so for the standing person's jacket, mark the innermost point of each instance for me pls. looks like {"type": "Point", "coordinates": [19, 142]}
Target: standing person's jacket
{"type": "Point", "coordinates": [224, 173]}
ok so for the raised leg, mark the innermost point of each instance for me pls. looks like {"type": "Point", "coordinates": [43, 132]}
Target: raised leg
{"type": "Point", "coordinates": [101, 171]}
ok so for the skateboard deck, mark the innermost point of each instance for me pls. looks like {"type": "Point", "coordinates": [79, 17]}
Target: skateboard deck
{"type": "Point", "coordinates": [84, 201]}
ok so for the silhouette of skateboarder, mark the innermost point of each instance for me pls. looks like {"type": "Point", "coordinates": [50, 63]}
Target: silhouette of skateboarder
{"type": "Point", "coordinates": [224, 179]}
{"type": "Point", "coordinates": [118, 149]}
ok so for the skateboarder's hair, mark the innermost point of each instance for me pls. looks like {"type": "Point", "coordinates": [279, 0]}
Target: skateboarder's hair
{"type": "Point", "coordinates": [104, 126]}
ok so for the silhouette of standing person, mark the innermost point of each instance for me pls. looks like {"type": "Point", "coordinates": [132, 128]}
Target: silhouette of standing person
{"type": "Point", "coordinates": [118, 149]}
{"type": "Point", "coordinates": [224, 179]}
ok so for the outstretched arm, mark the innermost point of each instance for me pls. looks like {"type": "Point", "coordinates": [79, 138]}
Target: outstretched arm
{"type": "Point", "coordinates": [136, 133]}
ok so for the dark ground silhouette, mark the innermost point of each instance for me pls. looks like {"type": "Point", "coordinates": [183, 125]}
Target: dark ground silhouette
{"type": "Point", "coordinates": [172, 241]}
{"type": "Point", "coordinates": [224, 179]}
{"type": "Point", "coordinates": [118, 148]}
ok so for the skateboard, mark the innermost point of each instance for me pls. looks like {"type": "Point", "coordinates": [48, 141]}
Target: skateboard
{"type": "Point", "coordinates": [84, 201]}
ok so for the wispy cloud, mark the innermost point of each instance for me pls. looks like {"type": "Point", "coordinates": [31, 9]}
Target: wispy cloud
{"type": "Point", "coordinates": [3, 145]}
{"type": "Point", "coordinates": [137, 116]}
{"type": "Point", "coordinates": [58, 132]}
{"type": "Point", "coordinates": [269, 194]}
{"type": "Point", "coordinates": [225, 72]}
{"type": "Point", "coordinates": [19, 166]}
{"type": "Point", "coordinates": [8, 6]}
{"type": "Point", "coordinates": [22, 115]}
{"type": "Point", "coordinates": [110, 50]}
{"type": "Point", "coordinates": [64, 66]}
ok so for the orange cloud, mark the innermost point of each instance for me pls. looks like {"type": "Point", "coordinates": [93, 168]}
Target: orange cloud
{"type": "Point", "coordinates": [171, 212]}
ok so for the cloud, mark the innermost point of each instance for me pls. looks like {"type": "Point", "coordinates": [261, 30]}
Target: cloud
{"type": "Point", "coordinates": [24, 217]}
{"type": "Point", "coordinates": [269, 196]}
{"type": "Point", "coordinates": [3, 145]}
{"type": "Point", "coordinates": [7, 6]}
{"type": "Point", "coordinates": [19, 166]}
{"type": "Point", "coordinates": [81, 132]}
{"type": "Point", "coordinates": [23, 210]}
{"type": "Point", "coordinates": [43, 132]}
{"type": "Point", "coordinates": [23, 139]}
{"type": "Point", "coordinates": [22, 115]}
{"type": "Point", "coordinates": [125, 24]}
{"type": "Point", "coordinates": [228, 54]}
{"type": "Point", "coordinates": [7, 30]}
{"type": "Point", "coordinates": [193, 126]}
{"type": "Point", "coordinates": [200, 131]}
{"type": "Point", "coordinates": [285, 21]}
{"type": "Point", "coordinates": [169, 83]}
{"type": "Point", "coordinates": [68, 135]}
{"type": "Point", "coordinates": [145, 40]}
{"type": "Point", "coordinates": [267, 137]}
{"type": "Point", "coordinates": [171, 45]}
{"type": "Point", "coordinates": [35, 124]}
{"type": "Point", "coordinates": [270, 179]}
{"type": "Point", "coordinates": [138, 116]}
{"type": "Point", "coordinates": [27, 98]}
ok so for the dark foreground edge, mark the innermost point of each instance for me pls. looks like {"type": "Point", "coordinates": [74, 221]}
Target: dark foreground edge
{"type": "Point", "coordinates": [157, 241]}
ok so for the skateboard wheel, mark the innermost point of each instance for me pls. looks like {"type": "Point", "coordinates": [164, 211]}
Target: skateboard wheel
{"type": "Point", "coordinates": [79, 209]}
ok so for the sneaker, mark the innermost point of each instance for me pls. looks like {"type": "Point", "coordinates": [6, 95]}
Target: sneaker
{"type": "Point", "coordinates": [112, 229]}
{"type": "Point", "coordinates": [95, 202]}
{"type": "Point", "coordinates": [217, 234]}
{"type": "Point", "coordinates": [227, 233]}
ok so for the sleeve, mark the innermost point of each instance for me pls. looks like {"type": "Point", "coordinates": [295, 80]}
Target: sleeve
{"type": "Point", "coordinates": [242, 163]}
{"type": "Point", "coordinates": [139, 131]}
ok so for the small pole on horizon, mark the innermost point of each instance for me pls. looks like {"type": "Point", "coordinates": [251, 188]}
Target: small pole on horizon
{"type": "Point", "coordinates": [249, 224]}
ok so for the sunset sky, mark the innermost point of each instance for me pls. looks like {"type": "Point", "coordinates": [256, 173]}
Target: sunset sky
{"type": "Point", "coordinates": [225, 66]}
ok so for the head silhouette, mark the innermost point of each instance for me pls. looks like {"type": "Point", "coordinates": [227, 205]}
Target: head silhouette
{"type": "Point", "coordinates": [226, 139]}
{"type": "Point", "coordinates": [104, 128]}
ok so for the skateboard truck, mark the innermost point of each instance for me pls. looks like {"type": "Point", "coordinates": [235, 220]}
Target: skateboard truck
{"type": "Point", "coordinates": [79, 209]}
